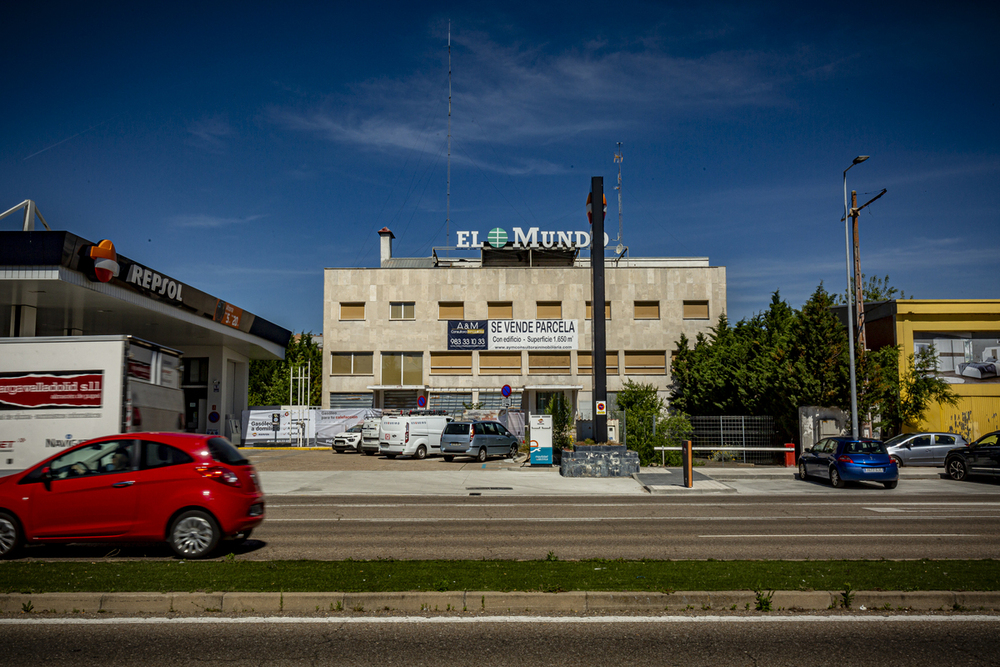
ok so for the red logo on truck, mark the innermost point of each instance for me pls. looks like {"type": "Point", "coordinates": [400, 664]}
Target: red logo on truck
{"type": "Point", "coordinates": [56, 389]}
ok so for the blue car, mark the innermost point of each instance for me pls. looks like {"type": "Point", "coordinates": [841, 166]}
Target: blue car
{"type": "Point", "coordinates": [848, 460]}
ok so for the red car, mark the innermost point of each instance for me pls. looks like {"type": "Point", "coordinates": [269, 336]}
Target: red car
{"type": "Point", "coordinates": [191, 490]}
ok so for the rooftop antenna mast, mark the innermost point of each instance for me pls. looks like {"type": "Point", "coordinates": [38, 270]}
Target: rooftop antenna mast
{"type": "Point", "coordinates": [447, 219]}
{"type": "Point", "coordinates": [619, 158]}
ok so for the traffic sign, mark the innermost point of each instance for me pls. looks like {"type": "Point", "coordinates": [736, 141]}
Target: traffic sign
{"type": "Point", "coordinates": [505, 391]}
{"type": "Point", "coordinates": [505, 402]}
{"type": "Point", "coordinates": [422, 401]}
{"type": "Point", "coordinates": [602, 408]}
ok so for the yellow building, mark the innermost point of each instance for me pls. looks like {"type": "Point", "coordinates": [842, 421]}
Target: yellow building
{"type": "Point", "coordinates": [965, 334]}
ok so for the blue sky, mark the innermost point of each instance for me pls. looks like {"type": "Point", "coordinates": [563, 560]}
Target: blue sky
{"type": "Point", "coordinates": [243, 147]}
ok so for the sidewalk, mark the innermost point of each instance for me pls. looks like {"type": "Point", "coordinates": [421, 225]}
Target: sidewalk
{"type": "Point", "coordinates": [494, 479]}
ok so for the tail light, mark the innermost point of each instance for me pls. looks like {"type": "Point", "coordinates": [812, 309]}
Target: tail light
{"type": "Point", "coordinates": [472, 432]}
{"type": "Point", "coordinates": [844, 458]}
{"type": "Point", "coordinates": [220, 474]}
{"type": "Point", "coordinates": [407, 438]}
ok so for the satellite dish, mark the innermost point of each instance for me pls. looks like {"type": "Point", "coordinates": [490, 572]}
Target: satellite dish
{"type": "Point", "coordinates": [619, 248]}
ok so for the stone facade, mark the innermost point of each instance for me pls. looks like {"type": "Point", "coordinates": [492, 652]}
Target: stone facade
{"type": "Point", "coordinates": [360, 319]}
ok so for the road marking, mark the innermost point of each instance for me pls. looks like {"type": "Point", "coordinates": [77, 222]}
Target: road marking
{"type": "Point", "coordinates": [483, 620]}
{"type": "Point", "coordinates": [555, 503]}
{"type": "Point", "coordinates": [423, 519]}
{"type": "Point", "coordinates": [812, 536]}
{"type": "Point", "coordinates": [884, 509]}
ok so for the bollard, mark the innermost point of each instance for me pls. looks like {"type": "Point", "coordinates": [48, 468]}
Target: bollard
{"type": "Point", "coordinates": [687, 462]}
{"type": "Point", "coordinates": [790, 455]}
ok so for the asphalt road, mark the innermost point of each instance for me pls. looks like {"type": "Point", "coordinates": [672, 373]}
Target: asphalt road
{"type": "Point", "coordinates": [771, 640]}
{"type": "Point", "coordinates": [863, 525]}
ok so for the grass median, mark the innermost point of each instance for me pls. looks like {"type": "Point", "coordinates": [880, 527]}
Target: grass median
{"type": "Point", "coordinates": [550, 575]}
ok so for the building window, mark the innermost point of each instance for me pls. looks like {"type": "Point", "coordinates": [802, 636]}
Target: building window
{"type": "Point", "coordinates": [349, 401]}
{"type": "Point", "coordinates": [401, 310]}
{"type": "Point", "coordinates": [451, 310]}
{"type": "Point", "coordinates": [352, 311]}
{"type": "Point", "coordinates": [696, 310]}
{"type": "Point", "coordinates": [500, 310]}
{"type": "Point", "coordinates": [351, 363]}
{"type": "Point", "coordinates": [543, 398]}
{"type": "Point", "coordinates": [647, 310]}
{"type": "Point", "coordinates": [607, 310]}
{"type": "Point", "coordinates": [584, 362]}
{"type": "Point", "coordinates": [645, 363]}
{"type": "Point", "coordinates": [499, 363]}
{"type": "Point", "coordinates": [549, 310]}
{"type": "Point", "coordinates": [548, 363]}
{"type": "Point", "coordinates": [451, 363]}
{"type": "Point", "coordinates": [402, 368]}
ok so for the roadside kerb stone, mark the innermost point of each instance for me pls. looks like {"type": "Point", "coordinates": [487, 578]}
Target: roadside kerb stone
{"type": "Point", "coordinates": [408, 601]}
{"type": "Point", "coordinates": [153, 603]}
{"type": "Point", "coordinates": [515, 601]}
{"type": "Point", "coordinates": [976, 600]}
{"type": "Point", "coordinates": [60, 603]}
{"type": "Point", "coordinates": [916, 600]}
{"type": "Point", "coordinates": [627, 601]}
{"type": "Point", "coordinates": [243, 603]}
{"type": "Point", "coordinates": [312, 602]}
{"type": "Point", "coordinates": [194, 603]}
{"type": "Point", "coordinates": [724, 600]}
{"type": "Point", "coordinates": [798, 600]}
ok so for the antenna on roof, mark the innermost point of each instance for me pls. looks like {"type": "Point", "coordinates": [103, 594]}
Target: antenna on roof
{"type": "Point", "coordinates": [447, 219]}
{"type": "Point", "coordinates": [619, 158]}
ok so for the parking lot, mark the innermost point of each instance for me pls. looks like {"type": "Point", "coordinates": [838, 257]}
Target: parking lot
{"type": "Point", "coordinates": [308, 459]}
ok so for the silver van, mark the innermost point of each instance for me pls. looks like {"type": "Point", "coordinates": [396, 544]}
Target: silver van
{"type": "Point", "coordinates": [478, 439]}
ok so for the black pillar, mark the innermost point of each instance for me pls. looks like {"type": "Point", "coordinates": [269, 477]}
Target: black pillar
{"type": "Point", "coordinates": [600, 366]}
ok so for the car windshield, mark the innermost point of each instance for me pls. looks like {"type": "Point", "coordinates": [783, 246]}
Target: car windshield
{"type": "Point", "coordinates": [898, 439]}
{"type": "Point", "coordinates": [223, 452]}
{"type": "Point", "coordinates": [864, 448]}
{"type": "Point", "coordinates": [456, 428]}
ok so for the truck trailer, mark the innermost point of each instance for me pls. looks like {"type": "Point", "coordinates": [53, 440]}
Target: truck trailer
{"type": "Point", "coordinates": [58, 391]}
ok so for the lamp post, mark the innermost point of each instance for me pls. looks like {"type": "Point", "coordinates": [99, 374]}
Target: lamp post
{"type": "Point", "coordinates": [850, 316]}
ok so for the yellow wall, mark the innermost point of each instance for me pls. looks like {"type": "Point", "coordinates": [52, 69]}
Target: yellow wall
{"type": "Point", "coordinates": [978, 410]}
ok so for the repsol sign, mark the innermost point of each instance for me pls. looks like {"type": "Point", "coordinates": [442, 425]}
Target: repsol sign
{"type": "Point", "coordinates": [533, 238]}
{"type": "Point", "coordinates": [154, 283]}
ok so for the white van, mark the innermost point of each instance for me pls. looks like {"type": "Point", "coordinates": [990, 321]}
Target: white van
{"type": "Point", "coordinates": [370, 433]}
{"type": "Point", "coordinates": [415, 433]}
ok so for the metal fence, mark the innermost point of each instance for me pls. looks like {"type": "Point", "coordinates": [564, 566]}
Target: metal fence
{"type": "Point", "coordinates": [746, 433]}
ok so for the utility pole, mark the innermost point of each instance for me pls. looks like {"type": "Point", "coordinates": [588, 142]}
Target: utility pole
{"type": "Point", "coordinates": [598, 338]}
{"type": "Point", "coordinates": [859, 298]}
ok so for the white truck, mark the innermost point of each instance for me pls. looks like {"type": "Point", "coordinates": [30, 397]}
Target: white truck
{"type": "Point", "coordinates": [370, 436]}
{"type": "Point", "coordinates": [58, 391]}
{"type": "Point", "coordinates": [415, 433]}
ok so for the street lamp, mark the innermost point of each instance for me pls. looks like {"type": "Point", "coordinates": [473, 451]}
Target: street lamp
{"type": "Point", "coordinates": [850, 316]}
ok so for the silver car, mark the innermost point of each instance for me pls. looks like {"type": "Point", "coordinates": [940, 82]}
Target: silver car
{"type": "Point", "coordinates": [923, 449]}
{"type": "Point", "coordinates": [478, 439]}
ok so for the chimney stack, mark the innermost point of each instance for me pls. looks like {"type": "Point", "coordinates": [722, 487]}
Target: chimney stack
{"type": "Point", "coordinates": [387, 237]}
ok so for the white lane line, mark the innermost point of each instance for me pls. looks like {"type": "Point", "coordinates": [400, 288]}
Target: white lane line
{"type": "Point", "coordinates": [994, 506]}
{"type": "Point", "coordinates": [486, 620]}
{"type": "Point", "coordinates": [879, 535]}
{"type": "Point", "coordinates": [884, 509]}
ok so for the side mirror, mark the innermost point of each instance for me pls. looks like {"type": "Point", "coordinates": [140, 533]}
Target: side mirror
{"type": "Point", "coordinates": [46, 478]}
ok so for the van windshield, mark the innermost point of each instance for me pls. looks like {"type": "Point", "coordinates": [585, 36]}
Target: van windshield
{"type": "Point", "coordinates": [456, 429]}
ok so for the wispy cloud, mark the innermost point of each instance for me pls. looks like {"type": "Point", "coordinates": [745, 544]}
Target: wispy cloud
{"type": "Point", "coordinates": [523, 96]}
{"type": "Point", "coordinates": [204, 221]}
{"type": "Point", "coordinates": [210, 133]}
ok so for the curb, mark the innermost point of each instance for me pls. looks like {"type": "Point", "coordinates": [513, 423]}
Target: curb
{"type": "Point", "coordinates": [495, 602]}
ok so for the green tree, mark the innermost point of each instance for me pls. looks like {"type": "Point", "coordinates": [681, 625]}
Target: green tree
{"type": "Point", "coordinates": [269, 378]}
{"type": "Point", "coordinates": [643, 409]}
{"type": "Point", "coordinates": [562, 421]}
{"type": "Point", "coordinates": [873, 290]}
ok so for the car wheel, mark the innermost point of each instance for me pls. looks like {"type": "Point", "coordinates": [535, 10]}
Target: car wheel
{"type": "Point", "coordinates": [892, 484]}
{"type": "Point", "coordinates": [194, 534]}
{"type": "Point", "coordinates": [11, 536]}
{"type": "Point", "coordinates": [421, 452]}
{"type": "Point", "coordinates": [835, 480]}
{"type": "Point", "coordinates": [514, 449]}
{"type": "Point", "coordinates": [481, 456]}
{"type": "Point", "coordinates": [899, 461]}
{"type": "Point", "coordinates": [957, 470]}
{"type": "Point", "coordinates": [803, 475]}
{"type": "Point", "coordinates": [448, 458]}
